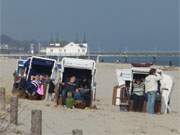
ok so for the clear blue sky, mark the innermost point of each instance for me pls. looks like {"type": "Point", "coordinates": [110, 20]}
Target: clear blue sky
{"type": "Point", "coordinates": [109, 24]}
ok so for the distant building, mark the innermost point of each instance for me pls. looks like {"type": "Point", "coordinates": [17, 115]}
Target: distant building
{"type": "Point", "coordinates": [67, 49]}
{"type": "Point", "coordinates": [42, 50]}
{"type": "Point", "coordinates": [4, 46]}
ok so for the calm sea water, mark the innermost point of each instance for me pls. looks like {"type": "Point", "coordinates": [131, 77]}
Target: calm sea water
{"type": "Point", "coordinates": [160, 60]}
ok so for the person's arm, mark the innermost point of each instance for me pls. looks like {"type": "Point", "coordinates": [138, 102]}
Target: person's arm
{"type": "Point", "coordinates": [144, 88]}
{"type": "Point", "coordinates": [62, 83]}
{"type": "Point", "coordinates": [145, 82]}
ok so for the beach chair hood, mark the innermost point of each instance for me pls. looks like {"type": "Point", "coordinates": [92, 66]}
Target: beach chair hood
{"type": "Point", "coordinates": [123, 75]}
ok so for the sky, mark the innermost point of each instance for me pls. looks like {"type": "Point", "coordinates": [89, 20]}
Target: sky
{"type": "Point", "coordinates": [109, 24]}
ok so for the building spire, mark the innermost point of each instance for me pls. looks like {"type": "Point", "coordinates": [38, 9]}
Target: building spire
{"type": "Point", "coordinates": [57, 38]}
{"type": "Point", "coordinates": [51, 39]}
{"type": "Point", "coordinates": [84, 38]}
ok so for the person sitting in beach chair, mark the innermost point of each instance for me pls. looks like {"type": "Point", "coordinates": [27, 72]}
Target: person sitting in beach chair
{"type": "Point", "coordinates": [79, 101]}
{"type": "Point", "coordinates": [77, 95]}
{"type": "Point", "coordinates": [68, 87]}
{"type": "Point", "coordinates": [41, 89]}
{"type": "Point", "coordinates": [32, 87]}
{"type": "Point", "coordinates": [69, 102]}
{"type": "Point", "coordinates": [84, 88]}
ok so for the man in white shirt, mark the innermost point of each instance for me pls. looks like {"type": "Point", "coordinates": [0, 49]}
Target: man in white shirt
{"type": "Point", "coordinates": [151, 88]}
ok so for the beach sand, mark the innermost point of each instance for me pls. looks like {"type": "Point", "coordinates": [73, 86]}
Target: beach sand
{"type": "Point", "coordinates": [106, 120]}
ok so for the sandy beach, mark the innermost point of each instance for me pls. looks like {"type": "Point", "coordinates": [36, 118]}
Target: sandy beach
{"type": "Point", "coordinates": [106, 120]}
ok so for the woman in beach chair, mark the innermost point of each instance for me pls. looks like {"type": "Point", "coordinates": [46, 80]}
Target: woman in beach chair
{"type": "Point", "coordinates": [41, 89]}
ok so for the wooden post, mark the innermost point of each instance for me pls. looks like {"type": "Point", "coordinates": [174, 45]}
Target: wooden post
{"type": "Point", "coordinates": [36, 122]}
{"type": "Point", "coordinates": [77, 132]}
{"type": "Point", "coordinates": [2, 99]}
{"type": "Point", "coordinates": [46, 90]}
{"type": "Point", "coordinates": [14, 110]}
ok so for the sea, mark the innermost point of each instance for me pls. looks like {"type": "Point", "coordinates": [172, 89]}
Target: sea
{"type": "Point", "coordinates": [157, 60]}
